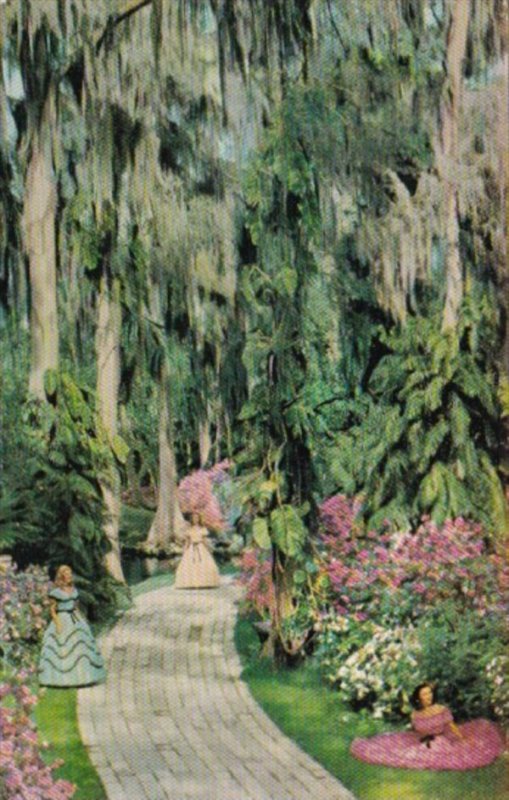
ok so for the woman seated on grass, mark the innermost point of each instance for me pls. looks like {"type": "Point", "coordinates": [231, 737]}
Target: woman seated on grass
{"type": "Point", "coordinates": [435, 741]}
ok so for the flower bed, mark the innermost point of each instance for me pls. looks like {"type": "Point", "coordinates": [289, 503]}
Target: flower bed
{"type": "Point", "coordinates": [23, 615]}
{"type": "Point", "coordinates": [422, 605]}
{"type": "Point", "coordinates": [391, 609]}
{"type": "Point", "coordinates": [23, 773]}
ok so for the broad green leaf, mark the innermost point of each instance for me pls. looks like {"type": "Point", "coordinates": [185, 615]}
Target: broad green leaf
{"type": "Point", "coordinates": [50, 382]}
{"type": "Point", "coordinates": [261, 533]}
{"type": "Point", "coordinates": [286, 281]}
{"type": "Point", "coordinates": [288, 530]}
{"type": "Point", "coordinates": [430, 487]}
{"type": "Point", "coordinates": [503, 396]}
{"type": "Point", "coordinates": [460, 422]}
{"type": "Point", "coordinates": [433, 393]}
{"type": "Point", "coordinates": [120, 448]}
{"type": "Point", "coordinates": [498, 504]}
{"type": "Point", "coordinates": [248, 411]}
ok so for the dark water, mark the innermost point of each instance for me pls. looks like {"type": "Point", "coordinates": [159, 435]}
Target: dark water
{"type": "Point", "coordinates": [139, 568]}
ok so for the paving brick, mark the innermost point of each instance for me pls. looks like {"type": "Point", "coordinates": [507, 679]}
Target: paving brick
{"type": "Point", "coordinates": [175, 722]}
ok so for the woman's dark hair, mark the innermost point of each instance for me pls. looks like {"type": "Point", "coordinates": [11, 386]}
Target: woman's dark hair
{"type": "Point", "coordinates": [415, 699]}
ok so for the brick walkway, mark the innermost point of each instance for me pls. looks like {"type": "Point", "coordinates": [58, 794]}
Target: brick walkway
{"type": "Point", "coordinates": [175, 722]}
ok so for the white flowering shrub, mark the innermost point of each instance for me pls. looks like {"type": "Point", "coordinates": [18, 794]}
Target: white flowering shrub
{"type": "Point", "coordinates": [497, 671]}
{"type": "Point", "coordinates": [382, 673]}
{"type": "Point", "coordinates": [338, 637]}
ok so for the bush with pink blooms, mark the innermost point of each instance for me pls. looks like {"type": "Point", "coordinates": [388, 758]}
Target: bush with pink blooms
{"type": "Point", "coordinates": [397, 577]}
{"type": "Point", "coordinates": [256, 577]}
{"type": "Point", "coordinates": [23, 615]}
{"type": "Point", "coordinates": [196, 495]}
{"type": "Point", "coordinates": [23, 773]}
{"type": "Point", "coordinates": [390, 608]}
{"type": "Point", "coordinates": [440, 585]}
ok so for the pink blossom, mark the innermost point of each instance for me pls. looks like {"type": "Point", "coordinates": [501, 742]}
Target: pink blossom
{"type": "Point", "coordinates": [196, 497]}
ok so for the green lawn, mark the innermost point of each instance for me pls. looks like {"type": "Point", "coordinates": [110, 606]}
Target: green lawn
{"type": "Point", "coordinates": [55, 715]}
{"type": "Point", "coordinates": [56, 718]}
{"type": "Point", "coordinates": [313, 716]}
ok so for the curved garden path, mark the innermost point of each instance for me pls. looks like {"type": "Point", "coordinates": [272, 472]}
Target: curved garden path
{"type": "Point", "coordinates": [175, 721]}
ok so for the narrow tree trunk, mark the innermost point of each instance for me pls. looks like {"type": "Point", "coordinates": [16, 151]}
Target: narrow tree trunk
{"type": "Point", "coordinates": [39, 221]}
{"type": "Point", "coordinates": [448, 154]}
{"type": "Point", "coordinates": [504, 267]}
{"type": "Point", "coordinates": [168, 525]}
{"type": "Point", "coordinates": [108, 381]}
{"type": "Point", "coordinates": [276, 647]}
{"type": "Point", "coordinates": [504, 172]}
{"type": "Point", "coordinates": [205, 443]}
{"type": "Point", "coordinates": [219, 436]}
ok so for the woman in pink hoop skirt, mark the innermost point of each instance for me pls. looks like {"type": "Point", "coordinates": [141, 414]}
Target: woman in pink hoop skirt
{"type": "Point", "coordinates": [435, 742]}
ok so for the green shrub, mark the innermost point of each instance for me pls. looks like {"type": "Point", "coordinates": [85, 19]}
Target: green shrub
{"type": "Point", "coordinates": [427, 442]}
{"type": "Point", "coordinates": [59, 515]}
{"type": "Point", "coordinates": [456, 649]}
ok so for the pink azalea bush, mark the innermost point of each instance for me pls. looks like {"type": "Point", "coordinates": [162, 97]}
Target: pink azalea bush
{"type": "Point", "coordinates": [256, 577]}
{"type": "Point", "coordinates": [392, 599]}
{"type": "Point", "coordinates": [23, 773]}
{"type": "Point", "coordinates": [23, 614]}
{"type": "Point", "coordinates": [23, 617]}
{"type": "Point", "coordinates": [196, 495]}
{"type": "Point", "coordinates": [403, 574]}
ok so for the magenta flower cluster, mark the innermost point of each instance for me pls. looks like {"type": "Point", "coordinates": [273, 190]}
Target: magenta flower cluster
{"type": "Point", "coordinates": [420, 568]}
{"type": "Point", "coordinates": [256, 578]}
{"type": "Point", "coordinates": [23, 773]}
{"type": "Point", "coordinates": [23, 614]}
{"type": "Point", "coordinates": [196, 495]}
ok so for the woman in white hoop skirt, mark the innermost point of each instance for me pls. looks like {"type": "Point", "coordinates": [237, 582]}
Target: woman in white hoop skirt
{"type": "Point", "coordinates": [197, 568]}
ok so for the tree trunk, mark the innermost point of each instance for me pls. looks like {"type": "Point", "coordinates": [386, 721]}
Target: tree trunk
{"type": "Point", "coordinates": [448, 154]}
{"type": "Point", "coordinates": [168, 525]}
{"type": "Point", "coordinates": [504, 173]}
{"type": "Point", "coordinates": [205, 443]}
{"type": "Point", "coordinates": [108, 381]}
{"type": "Point", "coordinates": [276, 646]}
{"type": "Point", "coordinates": [504, 266]}
{"type": "Point", "coordinates": [39, 221]}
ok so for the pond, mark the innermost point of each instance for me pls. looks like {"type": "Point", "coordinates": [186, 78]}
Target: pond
{"type": "Point", "coordinates": [138, 568]}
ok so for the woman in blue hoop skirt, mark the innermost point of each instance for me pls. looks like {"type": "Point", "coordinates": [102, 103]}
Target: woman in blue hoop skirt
{"type": "Point", "coordinates": [69, 655]}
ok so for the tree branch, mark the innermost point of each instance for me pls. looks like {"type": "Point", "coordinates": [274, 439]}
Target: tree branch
{"type": "Point", "coordinates": [130, 8]}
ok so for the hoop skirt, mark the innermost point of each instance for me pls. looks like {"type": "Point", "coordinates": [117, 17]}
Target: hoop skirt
{"type": "Point", "coordinates": [432, 745]}
{"type": "Point", "coordinates": [197, 568]}
{"type": "Point", "coordinates": [71, 657]}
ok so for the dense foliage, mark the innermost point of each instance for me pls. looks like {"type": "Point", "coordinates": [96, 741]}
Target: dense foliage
{"type": "Point", "coordinates": [387, 610]}
{"type": "Point", "coordinates": [64, 454]}
{"type": "Point", "coordinates": [273, 233]}
{"type": "Point", "coordinates": [425, 441]}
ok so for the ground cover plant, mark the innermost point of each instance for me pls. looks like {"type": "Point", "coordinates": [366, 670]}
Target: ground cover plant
{"type": "Point", "coordinates": [387, 609]}
{"type": "Point", "coordinates": [41, 753]}
{"type": "Point", "coordinates": [26, 772]}
{"type": "Point", "coordinates": [324, 725]}
{"type": "Point", "coordinates": [273, 233]}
